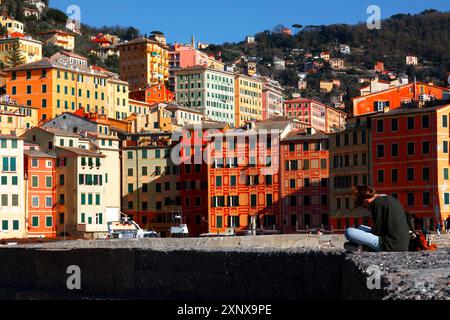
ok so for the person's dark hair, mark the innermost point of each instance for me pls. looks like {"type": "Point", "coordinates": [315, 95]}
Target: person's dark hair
{"type": "Point", "coordinates": [361, 193]}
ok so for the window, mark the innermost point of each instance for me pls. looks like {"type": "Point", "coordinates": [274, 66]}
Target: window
{"type": "Point", "coordinates": [380, 150]}
{"type": "Point", "coordinates": [444, 121]}
{"type": "Point", "coordinates": [34, 201]}
{"type": "Point", "coordinates": [394, 150]}
{"type": "Point", "coordinates": [394, 125]}
{"type": "Point", "coordinates": [48, 202]}
{"type": "Point", "coordinates": [48, 182]}
{"type": "Point", "coordinates": [268, 199]}
{"type": "Point", "coordinates": [394, 175]}
{"type": "Point", "coordinates": [233, 181]}
{"type": "Point", "coordinates": [410, 148]}
{"type": "Point", "coordinates": [410, 174]}
{"type": "Point", "coordinates": [425, 147]}
{"type": "Point", "coordinates": [218, 181]}
{"type": "Point", "coordinates": [445, 173]}
{"type": "Point", "coordinates": [410, 199]}
{"type": "Point", "coordinates": [380, 126]}
{"type": "Point", "coordinates": [380, 175]}
{"type": "Point", "coordinates": [35, 221]}
{"type": "Point", "coordinates": [445, 147]}
{"type": "Point", "coordinates": [425, 122]}
{"type": "Point", "coordinates": [446, 198]}
{"type": "Point", "coordinates": [35, 181]}
{"type": "Point", "coordinates": [410, 123]}
{"type": "Point", "coordinates": [426, 199]}
{"type": "Point", "coordinates": [426, 174]}
{"type": "Point", "coordinates": [253, 200]}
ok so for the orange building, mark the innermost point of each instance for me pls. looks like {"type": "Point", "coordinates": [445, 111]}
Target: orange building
{"type": "Point", "coordinates": [410, 156]}
{"type": "Point", "coordinates": [304, 161]}
{"type": "Point", "coordinates": [394, 97]}
{"type": "Point", "coordinates": [194, 174]}
{"type": "Point", "coordinates": [153, 94]}
{"type": "Point", "coordinates": [40, 175]}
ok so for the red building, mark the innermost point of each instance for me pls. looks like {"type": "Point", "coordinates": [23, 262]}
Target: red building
{"type": "Point", "coordinates": [304, 180]}
{"type": "Point", "coordinates": [410, 157]}
{"type": "Point", "coordinates": [153, 94]}
{"type": "Point", "coordinates": [194, 175]}
{"type": "Point", "coordinates": [40, 174]}
{"type": "Point", "coordinates": [315, 114]}
{"type": "Point", "coordinates": [394, 97]}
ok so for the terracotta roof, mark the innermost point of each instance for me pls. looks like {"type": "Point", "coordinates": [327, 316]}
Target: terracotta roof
{"type": "Point", "coordinates": [82, 152]}
{"type": "Point", "coordinates": [302, 135]}
{"type": "Point", "coordinates": [37, 154]}
{"type": "Point", "coordinates": [408, 110]}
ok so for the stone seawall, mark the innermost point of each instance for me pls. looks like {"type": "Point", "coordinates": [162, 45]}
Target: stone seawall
{"type": "Point", "coordinates": [267, 268]}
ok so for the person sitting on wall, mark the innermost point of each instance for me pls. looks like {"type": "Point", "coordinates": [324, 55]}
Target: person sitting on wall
{"type": "Point", "coordinates": [390, 230]}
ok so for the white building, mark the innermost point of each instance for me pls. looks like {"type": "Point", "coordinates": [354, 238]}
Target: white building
{"type": "Point", "coordinates": [411, 60]}
{"type": "Point", "coordinates": [12, 190]}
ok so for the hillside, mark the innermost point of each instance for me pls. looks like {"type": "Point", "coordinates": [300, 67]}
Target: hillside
{"type": "Point", "coordinates": [424, 35]}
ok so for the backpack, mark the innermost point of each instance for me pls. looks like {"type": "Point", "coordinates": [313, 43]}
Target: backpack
{"type": "Point", "coordinates": [420, 243]}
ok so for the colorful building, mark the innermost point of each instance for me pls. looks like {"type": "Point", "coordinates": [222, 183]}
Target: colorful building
{"type": "Point", "coordinates": [304, 180]}
{"type": "Point", "coordinates": [153, 94]}
{"type": "Point", "coordinates": [394, 97]}
{"type": "Point", "coordinates": [248, 99]}
{"type": "Point", "coordinates": [272, 98]}
{"type": "Point", "coordinates": [15, 119]}
{"type": "Point", "coordinates": [410, 156]}
{"type": "Point", "coordinates": [319, 116]}
{"type": "Point", "coordinates": [31, 50]}
{"type": "Point", "coordinates": [59, 38]}
{"type": "Point", "coordinates": [88, 173]}
{"type": "Point", "coordinates": [65, 82]}
{"type": "Point", "coordinates": [244, 179]}
{"type": "Point", "coordinates": [40, 183]}
{"type": "Point", "coordinates": [12, 188]}
{"type": "Point", "coordinates": [210, 91]}
{"type": "Point", "coordinates": [184, 56]}
{"type": "Point", "coordinates": [150, 181]}
{"type": "Point", "coordinates": [192, 146]}
{"type": "Point", "coordinates": [11, 24]}
{"type": "Point", "coordinates": [350, 165]}
{"type": "Point", "coordinates": [143, 62]}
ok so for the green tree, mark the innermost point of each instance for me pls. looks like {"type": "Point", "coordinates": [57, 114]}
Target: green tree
{"type": "Point", "coordinates": [14, 55]}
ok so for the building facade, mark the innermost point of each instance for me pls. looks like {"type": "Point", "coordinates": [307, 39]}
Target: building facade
{"type": "Point", "coordinates": [65, 83]}
{"type": "Point", "coordinates": [59, 38]}
{"type": "Point", "coordinates": [350, 165]}
{"type": "Point", "coordinates": [144, 62]}
{"type": "Point", "coordinates": [410, 155]}
{"type": "Point", "coordinates": [272, 99]}
{"type": "Point", "coordinates": [317, 115]}
{"type": "Point", "coordinates": [394, 97]}
{"type": "Point", "coordinates": [31, 50]}
{"type": "Point", "coordinates": [304, 181]}
{"type": "Point", "coordinates": [248, 99]}
{"type": "Point", "coordinates": [12, 188]}
{"type": "Point", "coordinates": [207, 90]}
{"type": "Point", "coordinates": [40, 181]}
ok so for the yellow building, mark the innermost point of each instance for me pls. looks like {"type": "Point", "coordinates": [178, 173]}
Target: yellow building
{"type": "Point", "coordinates": [326, 86]}
{"type": "Point", "coordinates": [65, 83]}
{"type": "Point", "coordinates": [31, 49]}
{"type": "Point", "coordinates": [10, 24]}
{"type": "Point", "coordinates": [59, 38]}
{"type": "Point", "coordinates": [248, 99]}
{"type": "Point", "coordinates": [144, 61]}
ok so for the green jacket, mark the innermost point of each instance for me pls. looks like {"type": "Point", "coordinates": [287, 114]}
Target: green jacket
{"type": "Point", "coordinates": [390, 223]}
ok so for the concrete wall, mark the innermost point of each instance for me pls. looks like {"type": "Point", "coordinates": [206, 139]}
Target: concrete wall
{"type": "Point", "coordinates": [175, 274]}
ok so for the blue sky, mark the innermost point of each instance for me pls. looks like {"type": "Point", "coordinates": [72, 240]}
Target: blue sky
{"type": "Point", "coordinates": [217, 21]}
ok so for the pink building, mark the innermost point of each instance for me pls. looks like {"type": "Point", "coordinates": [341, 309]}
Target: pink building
{"type": "Point", "coordinates": [186, 55]}
{"type": "Point", "coordinates": [272, 99]}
